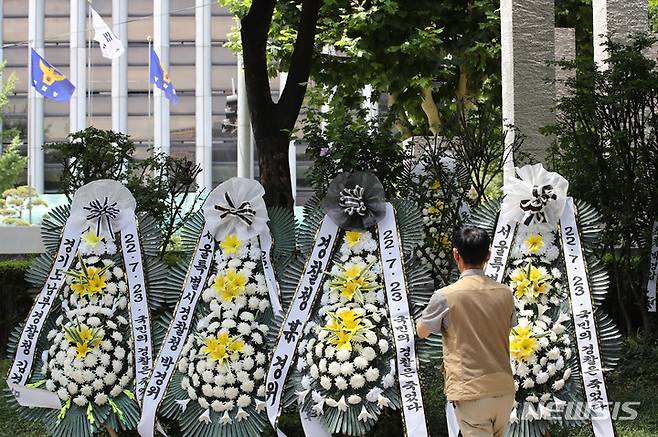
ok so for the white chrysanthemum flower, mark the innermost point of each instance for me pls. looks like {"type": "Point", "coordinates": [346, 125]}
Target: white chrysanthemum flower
{"type": "Point", "coordinates": [243, 401]}
{"type": "Point", "coordinates": [347, 368]}
{"type": "Point", "coordinates": [259, 373]}
{"type": "Point", "coordinates": [558, 385]}
{"type": "Point", "coordinates": [528, 383]}
{"type": "Point", "coordinates": [388, 380]}
{"type": "Point", "coordinates": [542, 377]}
{"type": "Point", "coordinates": [357, 381]}
{"type": "Point", "coordinates": [360, 362]}
{"type": "Point", "coordinates": [231, 392]}
{"type": "Point", "coordinates": [342, 355]}
{"type": "Point", "coordinates": [341, 383]}
{"type": "Point", "coordinates": [368, 353]}
{"type": "Point", "coordinates": [372, 374]}
{"type": "Point", "coordinates": [110, 379]}
{"type": "Point", "coordinates": [334, 368]}
{"type": "Point", "coordinates": [329, 351]}
{"type": "Point", "coordinates": [325, 382]}
{"type": "Point", "coordinates": [116, 391]}
{"type": "Point", "coordinates": [247, 386]}
{"type": "Point", "coordinates": [80, 400]}
{"type": "Point", "coordinates": [532, 398]}
{"type": "Point", "coordinates": [354, 399]}
{"type": "Point", "coordinates": [203, 403]}
{"type": "Point", "coordinates": [100, 399]}
{"type": "Point", "coordinates": [119, 352]}
{"type": "Point", "coordinates": [314, 371]}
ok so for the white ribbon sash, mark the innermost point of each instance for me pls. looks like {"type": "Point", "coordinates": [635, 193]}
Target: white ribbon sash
{"type": "Point", "coordinates": [298, 314]}
{"type": "Point", "coordinates": [179, 327]}
{"type": "Point", "coordinates": [584, 324]}
{"type": "Point", "coordinates": [268, 269]}
{"type": "Point", "coordinates": [653, 270]}
{"type": "Point", "coordinates": [139, 311]}
{"type": "Point", "coordinates": [26, 347]}
{"type": "Point", "coordinates": [500, 248]}
{"type": "Point", "coordinates": [402, 324]}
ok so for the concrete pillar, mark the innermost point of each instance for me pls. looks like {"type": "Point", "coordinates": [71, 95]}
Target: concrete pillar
{"type": "Point", "coordinates": [78, 69]}
{"type": "Point", "coordinates": [120, 68]}
{"type": "Point", "coordinates": [161, 136]}
{"type": "Point", "coordinates": [618, 19]}
{"type": "Point", "coordinates": [292, 148]}
{"type": "Point", "coordinates": [245, 145]}
{"type": "Point", "coordinates": [527, 44]}
{"type": "Point", "coordinates": [35, 165]}
{"type": "Point", "coordinates": [2, 57]}
{"type": "Point", "coordinates": [203, 93]}
{"type": "Point", "coordinates": [565, 50]}
{"type": "Point", "coordinates": [372, 108]}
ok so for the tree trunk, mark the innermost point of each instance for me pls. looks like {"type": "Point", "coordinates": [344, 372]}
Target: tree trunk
{"type": "Point", "coordinates": [431, 110]}
{"type": "Point", "coordinates": [275, 170]}
{"type": "Point", "coordinates": [273, 122]}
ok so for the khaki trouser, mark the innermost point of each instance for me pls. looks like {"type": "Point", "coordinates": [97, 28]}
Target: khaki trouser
{"type": "Point", "coordinates": [484, 417]}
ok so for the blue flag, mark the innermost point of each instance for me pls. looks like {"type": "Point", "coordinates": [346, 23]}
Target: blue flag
{"type": "Point", "coordinates": [48, 81]}
{"type": "Point", "coordinates": [160, 78]}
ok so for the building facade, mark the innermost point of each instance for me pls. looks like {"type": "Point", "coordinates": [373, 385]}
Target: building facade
{"type": "Point", "coordinates": [188, 35]}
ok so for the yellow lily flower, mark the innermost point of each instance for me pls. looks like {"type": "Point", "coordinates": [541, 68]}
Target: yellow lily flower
{"type": "Point", "coordinates": [230, 244]}
{"type": "Point", "coordinates": [220, 348]}
{"type": "Point", "coordinates": [230, 284]}
{"type": "Point", "coordinates": [91, 238]}
{"type": "Point", "coordinates": [523, 343]}
{"type": "Point", "coordinates": [352, 238]}
{"type": "Point", "coordinates": [343, 340]}
{"type": "Point", "coordinates": [350, 320]}
{"type": "Point", "coordinates": [534, 242]}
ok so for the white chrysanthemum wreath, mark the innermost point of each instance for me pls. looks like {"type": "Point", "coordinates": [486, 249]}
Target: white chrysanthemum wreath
{"type": "Point", "coordinates": [345, 358]}
{"type": "Point", "coordinates": [223, 361]}
{"type": "Point", "coordinates": [90, 359]}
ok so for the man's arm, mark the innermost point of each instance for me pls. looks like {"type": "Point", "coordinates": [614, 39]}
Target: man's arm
{"type": "Point", "coordinates": [435, 316]}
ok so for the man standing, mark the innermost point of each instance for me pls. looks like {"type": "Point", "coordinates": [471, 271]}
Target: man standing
{"type": "Point", "coordinates": [475, 315]}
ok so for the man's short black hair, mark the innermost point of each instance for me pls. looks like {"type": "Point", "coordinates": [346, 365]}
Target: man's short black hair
{"type": "Point", "coordinates": [472, 244]}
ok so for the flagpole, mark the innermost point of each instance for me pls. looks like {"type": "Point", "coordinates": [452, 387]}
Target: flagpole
{"type": "Point", "coordinates": [90, 109]}
{"type": "Point", "coordinates": [149, 93]}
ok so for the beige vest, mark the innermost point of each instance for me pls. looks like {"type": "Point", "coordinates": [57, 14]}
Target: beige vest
{"type": "Point", "coordinates": [476, 359]}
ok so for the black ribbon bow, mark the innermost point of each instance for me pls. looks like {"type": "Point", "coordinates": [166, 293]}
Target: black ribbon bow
{"type": "Point", "coordinates": [244, 212]}
{"type": "Point", "coordinates": [351, 200]}
{"type": "Point", "coordinates": [102, 211]}
{"type": "Point", "coordinates": [534, 207]}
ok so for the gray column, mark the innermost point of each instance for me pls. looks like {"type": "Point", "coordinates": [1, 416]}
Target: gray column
{"type": "Point", "coordinates": [35, 170]}
{"type": "Point", "coordinates": [160, 102]}
{"type": "Point", "coordinates": [527, 43]}
{"type": "Point", "coordinates": [78, 69]}
{"type": "Point", "coordinates": [203, 93]}
{"type": "Point", "coordinates": [372, 108]}
{"type": "Point", "coordinates": [617, 18]}
{"type": "Point", "coordinates": [292, 149]}
{"type": "Point", "coordinates": [2, 57]}
{"type": "Point", "coordinates": [565, 50]}
{"type": "Point", "coordinates": [120, 68]}
{"type": "Point", "coordinates": [245, 146]}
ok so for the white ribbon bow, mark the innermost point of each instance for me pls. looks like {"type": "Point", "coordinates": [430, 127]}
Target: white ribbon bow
{"type": "Point", "coordinates": [536, 198]}
{"type": "Point", "coordinates": [236, 207]}
{"type": "Point", "coordinates": [104, 206]}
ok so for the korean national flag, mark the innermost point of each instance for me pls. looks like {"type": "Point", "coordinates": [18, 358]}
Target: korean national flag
{"type": "Point", "coordinates": [111, 46]}
{"type": "Point", "coordinates": [48, 81]}
{"type": "Point", "coordinates": [160, 78]}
